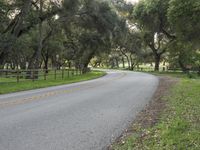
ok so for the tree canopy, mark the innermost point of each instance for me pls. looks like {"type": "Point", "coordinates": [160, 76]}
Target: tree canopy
{"type": "Point", "coordinates": [70, 33]}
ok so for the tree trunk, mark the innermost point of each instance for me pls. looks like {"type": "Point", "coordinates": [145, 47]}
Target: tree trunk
{"type": "Point", "coordinates": [12, 66]}
{"type": "Point", "coordinates": [2, 60]}
{"type": "Point", "coordinates": [40, 44]}
{"type": "Point", "coordinates": [40, 38]}
{"type": "Point", "coordinates": [131, 62]}
{"type": "Point", "coordinates": [123, 63]}
{"type": "Point", "coordinates": [85, 68]}
{"type": "Point", "coordinates": [198, 71]}
{"type": "Point", "coordinates": [183, 68]}
{"type": "Point", "coordinates": [95, 64]}
{"type": "Point", "coordinates": [129, 65]}
{"type": "Point", "coordinates": [46, 63]}
{"type": "Point", "coordinates": [85, 65]}
{"type": "Point", "coordinates": [86, 61]}
{"type": "Point", "coordinates": [123, 53]}
{"type": "Point", "coordinates": [69, 64]}
{"type": "Point", "coordinates": [22, 65]}
{"type": "Point", "coordinates": [157, 62]}
{"type": "Point", "coordinates": [112, 63]}
{"type": "Point", "coordinates": [117, 62]}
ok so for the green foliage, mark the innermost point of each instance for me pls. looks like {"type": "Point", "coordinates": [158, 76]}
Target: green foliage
{"type": "Point", "coordinates": [71, 30]}
{"type": "Point", "coordinates": [75, 31]}
{"type": "Point", "coordinates": [151, 14]}
{"type": "Point", "coordinates": [3, 18]}
{"type": "Point", "coordinates": [150, 17]}
{"type": "Point", "coordinates": [184, 16]}
{"type": "Point", "coordinates": [94, 33]}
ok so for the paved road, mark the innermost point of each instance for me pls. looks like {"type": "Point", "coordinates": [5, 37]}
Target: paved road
{"type": "Point", "coordinates": [80, 116]}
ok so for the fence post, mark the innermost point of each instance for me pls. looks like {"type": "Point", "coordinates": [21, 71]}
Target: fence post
{"type": "Point", "coordinates": [6, 73]}
{"type": "Point", "coordinates": [72, 72]}
{"type": "Point", "coordinates": [63, 73]}
{"type": "Point", "coordinates": [17, 75]}
{"type": "Point", "coordinates": [55, 74]}
{"type": "Point", "coordinates": [68, 73]}
{"type": "Point", "coordinates": [33, 75]}
{"type": "Point", "coordinates": [164, 69]}
{"type": "Point", "coordinates": [45, 74]}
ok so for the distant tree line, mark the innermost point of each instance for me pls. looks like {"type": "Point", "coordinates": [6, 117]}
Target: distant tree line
{"type": "Point", "coordinates": [48, 33]}
{"type": "Point", "coordinates": [37, 34]}
{"type": "Point", "coordinates": [158, 31]}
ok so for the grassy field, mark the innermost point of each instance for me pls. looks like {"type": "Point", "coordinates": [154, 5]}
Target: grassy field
{"type": "Point", "coordinates": [8, 87]}
{"type": "Point", "coordinates": [179, 125]}
{"type": "Point", "coordinates": [177, 75]}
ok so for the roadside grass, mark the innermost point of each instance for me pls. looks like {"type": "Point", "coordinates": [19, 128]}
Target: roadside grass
{"type": "Point", "coordinates": [41, 75]}
{"type": "Point", "coordinates": [191, 75]}
{"type": "Point", "coordinates": [179, 125]}
{"type": "Point", "coordinates": [9, 87]}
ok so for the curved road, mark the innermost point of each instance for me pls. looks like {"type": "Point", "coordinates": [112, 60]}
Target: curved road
{"type": "Point", "coordinates": [81, 116]}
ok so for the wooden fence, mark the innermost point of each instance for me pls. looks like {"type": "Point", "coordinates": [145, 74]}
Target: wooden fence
{"type": "Point", "coordinates": [41, 74]}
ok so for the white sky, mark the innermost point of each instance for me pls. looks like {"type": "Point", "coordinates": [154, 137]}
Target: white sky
{"type": "Point", "coordinates": [132, 1]}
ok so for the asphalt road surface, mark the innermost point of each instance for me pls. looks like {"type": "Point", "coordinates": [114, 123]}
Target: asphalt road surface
{"type": "Point", "coordinates": [82, 116]}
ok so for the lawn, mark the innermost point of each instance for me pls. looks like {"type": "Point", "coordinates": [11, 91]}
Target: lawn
{"type": "Point", "coordinates": [9, 87]}
{"type": "Point", "coordinates": [179, 125]}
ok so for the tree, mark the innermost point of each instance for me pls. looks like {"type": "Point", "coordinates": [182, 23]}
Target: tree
{"type": "Point", "coordinates": [19, 18]}
{"type": "Point", "coordinates": [151, 18]}
{"type": "Point", "coordinates": [184, 55]}
{"type": "Point", "coordinates": [93, 27]}
{"type": "Point", "coordinates": [184, 17]}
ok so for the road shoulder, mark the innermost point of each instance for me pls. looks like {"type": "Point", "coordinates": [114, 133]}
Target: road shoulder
{"type": "Point", "coordinates": [150, 115]}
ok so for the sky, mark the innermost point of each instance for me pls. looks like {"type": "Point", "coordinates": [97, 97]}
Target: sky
{"type": "Point", "coordinates": [132, 1]}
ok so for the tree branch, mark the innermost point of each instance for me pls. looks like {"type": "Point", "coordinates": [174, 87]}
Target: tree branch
{"type": "Point", "coordinates": [168, 34]}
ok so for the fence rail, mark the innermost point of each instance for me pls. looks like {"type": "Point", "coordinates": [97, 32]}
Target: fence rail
{"type": "Point", "coordinates": [39, 74]}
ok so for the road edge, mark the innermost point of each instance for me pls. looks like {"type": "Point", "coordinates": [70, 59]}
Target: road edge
{"type": "Point", "coordinates": [146, 117]}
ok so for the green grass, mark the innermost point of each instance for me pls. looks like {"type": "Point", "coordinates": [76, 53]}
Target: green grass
{"type": "Point", "coordinates": [12, 77]}
{"type": "Point", "coordinates": [9, 87]}
{"type": "Point", "coordinates": [179, 126]}
{"type": "Point", "coordinates": [177, 74]}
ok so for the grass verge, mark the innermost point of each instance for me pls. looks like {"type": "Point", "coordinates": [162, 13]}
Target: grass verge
{"type": "Point", "coordinates": [178, 124]}
{"type": "Point", "coordinates": [177, 75]}
{"type": "Point", "coordinates": [10, 87]}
